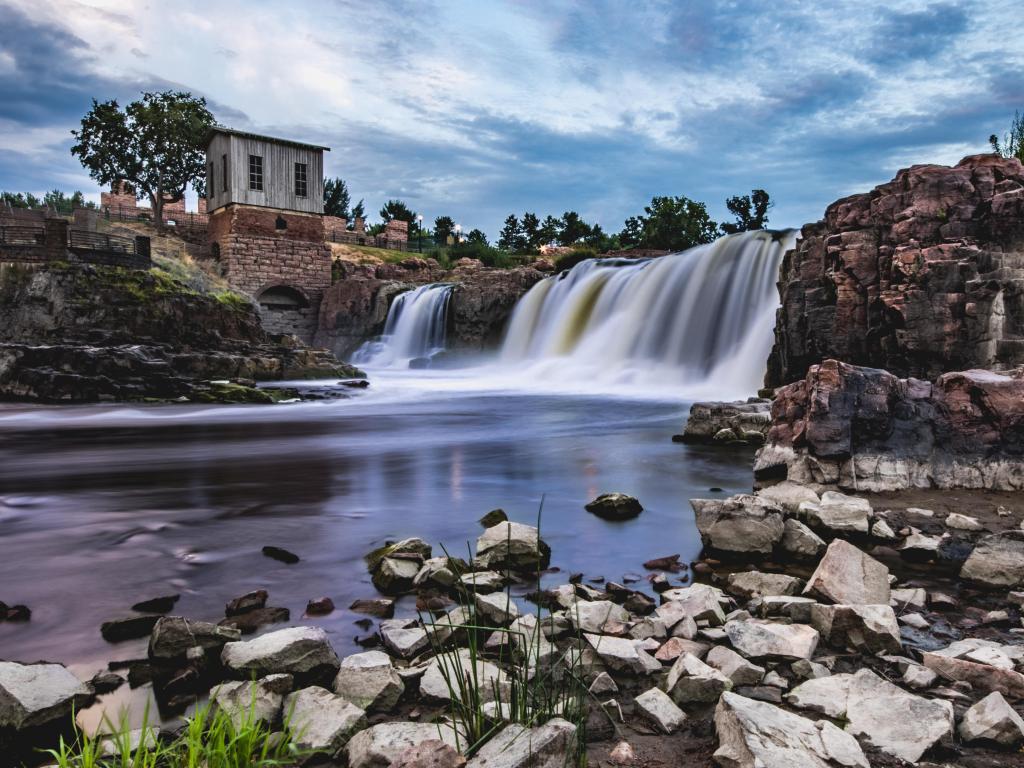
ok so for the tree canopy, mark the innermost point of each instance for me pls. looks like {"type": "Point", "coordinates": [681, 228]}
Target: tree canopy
{"type": "Point", "coordinates": [1012, 143]}
{"type": "Point", "coordinates": [670, 223]}
{"type": "Point", "coordinates": [337, 198]}
{"type": "Point", "coordinates": [397, 210]}
{"type": "Point", "coordinates": [444, 226]}
{"type": "Point", "coordinates": [156, 144]}
{"type": "Point", "coordinates": [751, 212]}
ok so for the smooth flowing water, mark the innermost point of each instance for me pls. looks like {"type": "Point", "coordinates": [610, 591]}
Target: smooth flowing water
{"type": "Point", "coordinates": [416, 328]}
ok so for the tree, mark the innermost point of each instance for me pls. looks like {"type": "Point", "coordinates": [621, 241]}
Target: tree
{"type": "Point", "coordinates": [751, 212]}
{"type": "Point", "coordinates": [549, 231]}
{"type": "Point", "coordinates": [398, 211]}
{"type": "Point", "coordinates": [443, 228]}
{"type": "Point", "coordinates": [336, 198]}
{"type": "Point", "coordinates": [476, 236]}
{"type": "Point", "coordinates": [573, 229]}
{"type": "Point", "coordinates": [358, 212]}
{"type": "Point", "coordinates": [156, 144]}
{"type": "Point", "coordinates": [1012, 144]}
{"type": "Point", "coordinates": [671, 223]}
{"type": "Point", "coordinates": [531, 231]}
{"type": "Point", "coordinates": [512, 238]}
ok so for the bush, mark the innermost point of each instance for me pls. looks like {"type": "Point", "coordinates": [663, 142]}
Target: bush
{"type": "Point", "coordinates": [570, 260]}
{"type": "Point", "coordinates": [490, 257]}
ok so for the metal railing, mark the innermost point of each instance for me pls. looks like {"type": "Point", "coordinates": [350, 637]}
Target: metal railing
{"type": "Point", "coordinates": [19, 234]}
{"type": "Point", "coordinates": [100, 241]}
{"type": "Point", "coordinates": [362, 238]}
{"type": "Point", "coordinates": [131, 213]}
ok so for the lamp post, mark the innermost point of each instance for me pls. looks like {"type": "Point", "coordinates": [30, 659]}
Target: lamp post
{"type": "Point", "coordinates": [419, 226]}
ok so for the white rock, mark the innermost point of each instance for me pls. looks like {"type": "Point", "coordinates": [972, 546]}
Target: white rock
{"type": "Point", "coordinates": [622, 654]}
{"type": "Point", "coordinates": [920, 512]}
{"type": "Point", "coordinates": [498, 608]}
{"type": "Point", "coordinates": [756, 584]}
{"type": "Point", "coordinates": [380, 745]}
{"type": "Point", "coordinates": [369, 681]}
{"type": "Point", "coordinates": [915, 620]}
{"type": "Point", "coordinates": [869, 628]}
{"type": "Point", "coordinates": [300, 651]}
{"type": "Point", "coordinates": [839, 513]}
{"type": "Point", "coordinates": [511, 545]}
{"type": "Point", "coordinates": [882, 530]}
{"type": "Point", "coordinates": [848, 576]}
{"type": "Point", "coordinates": [394, 575]}
{"type": "Point", "coordinates": [919, 678]}
{"type": "Point", "coordinates": [260, 700]}
{"type": "Point", "coordinates": [920, 545]}
{"type": "Point", "coordinates": [482, 581]}
{"type": "Point", "coordinates": [700, 602]}
{"type": "Point", "coordinates": [996, 562]}
{"type": "Point", "coordinates": [404, 642]}
{"type": "Point", "coordinates": [547, 746]}
{"type": "Point", "coordinates": [742, 523]}
{"type": "Point", "coordinates": [754, 734]}
{"type": "Point", "coordinates": [913, 598]}
{"type": "Point", "coordinates": [323, 723]}
{"type": "Point", "coordinates": [825, 695]}
{"type": "Point", "coordinates": [963, 522]}
{"type": "Point", "coordinates": [735, 667]}
{"type": "Point", "coordinates": [801, 541]}
{"type": "Point", "coordinates": [775, 680]}
{"type": "Point", "coordinates": [37, 694]}
{"type": "Point", "coordinates": [658, 707]}
{"type": "Point", "coordinates": [789, 495]}
{"type": "Point", "coordinates": [593, 616]}
{"type": "Point", "coordinates": [992, 719]}
{"type": "Point", "coordinates": [436, 570]}
{"type": "Point", "coordinates": [603, 684]}
{"type": "Point", "coordinates": [757, 639]}
{"type": "Point", "coordinates": [443, 672]}
{"type": "Point", "coordinates": [691, 680]}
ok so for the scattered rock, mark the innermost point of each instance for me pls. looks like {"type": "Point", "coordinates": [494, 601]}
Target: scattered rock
{"type": "Point", "coordinates": [789, 495]}
{"type": "Point", "coordinates": [623, 655]}
{"type": "Point", "coordinates": [250, 621]}
{"type": "Point", "coordinates": [493, 517]}
{"type": "Point", "coordinates": [595, 616]}
{"type": "Point", "coordinates": [868, 628]}
{"type": "Point", "coordinates": [448, 667]}
{"type": "Point", "coordinates": [258, 701]}
{"type": "Point", "coordinates": [163, 604]}
{"type": "Point", "coordinates": [106, 682]}
{"type": "Point", "coordinates": [369, 681]}
{"type": "Point", "coordinates": [173, 637]}
{"type": "Point", "coordinates": [38, 694]}
{"type": "Point", "coordinates": [615, 506]}
{"type": "Point", "coordinates": [498, 608]}
{"type": "Point", "coordinates": [322, 722]}
{"type": "Point", "coordinates": [757, 639]}
{"type": "Point", "coordinates": [848, 576]}
{"type": "Point", "coordinates": [691, 680]}
{"type": "Point", "coordinates": [303, 652]}
{"type": "Point", "coordinates": [382, 607]}
{"type": "Point", "coordinates": [320, 606]}
{"type": "Point", "coordinates": [743, 523]}
{"type": "Point", "coordinates": [546, 746]}
{"type": "Point", "coordinates": [432, 753]}
{"type": "Point", "coordinates": [996, 562]}
{"type": "Point", "coordinates": [838, 513]}
{"type": "Point", "coordinates": [882, 530]}
{"type": "Point", "coordinates": [749, 584]}
{"type": "Point", "coordinates": [733, 666]}
{"type": "Point", "coordinates": [282, 555]}
{"type": "Point", "coordinates": [393, 575]}
{"type": "Point", "coordinates": [482, 581]}
{"type": "Point", "coordinates": [963, 522]}
{"type": "Point", "coordinates": [700, 602]}
{"type": "Point", "coordinates": [417, 548]}
{"type": "Point", "coordinates": [512, 545]}
{"type": "Point", "coordinates": [982, 677]}
{"type": "Point", "coordinates": [801, 541]}
{"type": "Point", "coordinates": [250, 601]}
{"type": "Point", "coordinates": [128, 628]}
{"type": "Point", "coordinates": [380, 745]}
{"type": "Point", "coordinates": [657, 707]}
{"type": "Point", "coordinates": [667, 563]}
{"type": "Point", "coordinates": [993, 720]}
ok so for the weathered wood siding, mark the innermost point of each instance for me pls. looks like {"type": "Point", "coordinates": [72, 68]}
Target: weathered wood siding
{"type": "Point", "coordinates": [278, 174]}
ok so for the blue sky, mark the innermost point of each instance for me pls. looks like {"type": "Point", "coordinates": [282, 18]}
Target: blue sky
{"type": "Point", "coordinates": [476, 109]}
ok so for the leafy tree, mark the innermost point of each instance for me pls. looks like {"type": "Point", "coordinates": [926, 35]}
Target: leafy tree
{"type": "Point", "coordinates": [550, 230]}
{"type": "Point", "coordinates": [1012, 144]}
{"type": "Point", "coordinates": [531, 231]}
{"type": "Point", "coordinates": [156, 144]}
{"type": "Point", "coordinates": [671, 223]}
{"type": "Point", "coordinates": [398, 211]}
{"type": "Point", "coordinates": [19, 200]}
{"type": "Point", "coordinates": [444, 226]}
{"type": "Point", "coordinates": [573, 229]}
{"type": "Point", "coordinates": [751, 212]}
{"type": "Point", "coordinates": [512, 238]}
{"type": "Point", "coordinates": [336, 198]}
{"type": "Point", "coordinates": [476, 236]}
{"type": "Point", "coordinates": [358, 212]}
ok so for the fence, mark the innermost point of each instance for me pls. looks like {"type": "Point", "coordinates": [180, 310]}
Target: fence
{"type": "Point", "coordinates": [174, 218]}
{"type": "Point", "coordinates": [20, 234]}
{"type": "Point", "coordinates": [361, 238]}
{"type": "Point", "coordinates": [100, 241]}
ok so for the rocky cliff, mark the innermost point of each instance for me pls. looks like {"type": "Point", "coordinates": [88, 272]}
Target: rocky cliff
{"type": "Point", "coordinates": [922, 275]}
{"type": "Point", "coordinates": [868, 430]}
{"type": "Point", "coordinates": [82, 333]}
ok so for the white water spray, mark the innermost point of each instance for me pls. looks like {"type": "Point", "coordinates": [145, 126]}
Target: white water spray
{"type": "Point", "coordinates": [416, 327]}
{"type": "Point", "coordinates": [701, 319]}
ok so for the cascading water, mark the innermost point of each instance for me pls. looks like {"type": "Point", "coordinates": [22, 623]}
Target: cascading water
{"type": "Point", "coordinates": [416, 327]}
{"type": "Point", "coordinates": [702, 318]}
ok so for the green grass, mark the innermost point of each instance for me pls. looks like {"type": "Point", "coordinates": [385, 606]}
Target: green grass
{"type": "Point", "coordinates": [209, 740]}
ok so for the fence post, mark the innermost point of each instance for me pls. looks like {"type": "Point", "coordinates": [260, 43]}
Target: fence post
{"type": "Point", "coordinates": [55, 239]}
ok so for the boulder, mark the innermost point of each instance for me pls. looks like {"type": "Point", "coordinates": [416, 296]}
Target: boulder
{"type": "Point", "coordinates": [418, 548]}
{"type": "Point", "coordinates": [38, 694]}
{"type": "Point", "coordinates": [369, 681]}
{"type": "Point", "coordinates": [996, 562]}
{"type": "Point", "coordinates": [700, 602]}
{"type": "Point", "coordinates": [982, 677]}
{"type": "Point", "coordinates": [321, 721]}
{"type": "Point", "coordinates": [438, 572]}
{"type": "Point", "coordinates": [800, 541]}
{"type": "Point", "coordinates": [394, 575]}
{"type": "Point", "coordinates": [447, 668]}
{"type": "Point", "coordinates": [623, 655]}
{"type": "Point", "coordinates": [615, 506]}
{"type": "Point", "coordinates": [659, 709]}
{"type": "Point", "coordinates": [481, 581]}
{"type": "Point", "coordinates": [381, 745]}
{"type": "Point", "coordinates": [173, 637]}
{"type": "Point", "coordinates": [405, 642]}
{"type": "Point", "coordinates": [739, 524]}
{"type": "Point", "coordinates": [825, 695]}
{"type": "Point", "coordinates": [749, 584]}
{"type": "Point", "coordinates": [512, 545]}
{"type": "Point", "coordinates": [253, 701]}
{"type": "Point", "coordinates": [733, 666]}
{"type": "Point", "coordinates": [432, 753]}
{"type": "Point", "coordinates": [497, 607]}
{"type": "Point", "coordinates": [867, 628]}
{"type": "Point", "coordinates": [993, 720]}
{"type": "Point", "coordinates": [303, 652]}
{"type": "Point", "coordinates": [838, 513]}
{"type": "Point", "coordinates": [848, 576]}
{"type": "Point", "coordinates": [593, 616]}
{"type": "Point", "coordinates": [493, 517]}
{"type": "Point", "coordinates": [758, 639]}
{"type": "Point", "coordinates": [691, 680]}
{"type": "Point", "coordinates": [552, 745]}
{"type": "Point", "coordinates": [382, 607]}
{"type": "Point", "coordinates": [755, 734]}
{"type": "Point", "coordinates": [126, 628]}
{"type": "Point", "coordinates": [789, 495]}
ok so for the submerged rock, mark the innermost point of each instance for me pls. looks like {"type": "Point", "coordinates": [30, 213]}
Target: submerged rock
{"type": "Point", "coordinates": [615, 506]}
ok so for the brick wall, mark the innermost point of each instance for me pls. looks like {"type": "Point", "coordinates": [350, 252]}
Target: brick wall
{"type": "Point", "coordinates": [334, 225]}
{"type": "Point", "coordinates": [118, 197]}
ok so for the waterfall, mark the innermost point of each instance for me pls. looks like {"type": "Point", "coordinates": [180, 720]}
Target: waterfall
{"type": "Point", "coordinates": [703, 318]}
{"type": "Point", "coordinates": [416, 328]}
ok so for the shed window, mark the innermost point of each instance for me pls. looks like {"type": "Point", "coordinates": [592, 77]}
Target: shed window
{"type": "Point", "coordinates": [300, 180]}
{"type": "Point", "coordinates": [224, 186]}
{"type": "Point", "coordinates": [256, 173]}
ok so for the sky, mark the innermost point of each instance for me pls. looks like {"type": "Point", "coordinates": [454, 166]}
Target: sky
{"type": "Point", "coordinates": [480, 108]}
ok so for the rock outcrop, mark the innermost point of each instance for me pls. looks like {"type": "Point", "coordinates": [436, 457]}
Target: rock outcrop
{"type": "Point", "coordinates": [740, 422]}
{"type": "Point", "coordinates": [866, 429]}
{"type": "Point", "coordinates": [922, 275]}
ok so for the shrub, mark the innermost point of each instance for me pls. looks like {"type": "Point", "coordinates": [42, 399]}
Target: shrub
{"type": "Point", "coordinates": [570, 260]}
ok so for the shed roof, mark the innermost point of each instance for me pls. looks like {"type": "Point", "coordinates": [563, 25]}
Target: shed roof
{"type": "Point", "coordinates": [259, 137]}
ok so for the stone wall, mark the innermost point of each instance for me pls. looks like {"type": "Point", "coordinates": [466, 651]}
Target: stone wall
{"type": "Point", "coordinates": [922, 275]}
{"type": "Point", "coordinates": [865, 429]}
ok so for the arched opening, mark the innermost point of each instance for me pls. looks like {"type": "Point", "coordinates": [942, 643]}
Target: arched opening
{"type": "Point", "coordinates": [282, 297]}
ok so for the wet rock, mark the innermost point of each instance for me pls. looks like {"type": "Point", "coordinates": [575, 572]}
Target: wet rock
{"type": "Point", "coordinates": [250, 601]}
{"type": "Point", "coordinates": [303, 652]}
{"type": "Point", "coordinates": [757, 639]}
{"type": "Point", "coordinates": [667, 563]}
{"type": "Point", "coordinates": [691, 680]}
{"type": "Point", "coordinates": [431, 753]}
{"type": "Point", "coordinates": [393, 575]}
{"type": "Point", "coordinates": [382, 608]}
{"type": "Point", "coordinates": [848, 576]}
{"type": "Point", "coordinates": [106, 682]}
{"type": "Point", "coordinates": [801, 541]}
{"type": "Point", "coordinates": [838, 513]}
{"type": "Point", "coordinates": [868, 628]}
{"type": "Point", "coordinates": [18, 613]}
{"type": "Point", "coordinates": [320, 606]}
{"type": "Point", "coordinates": [249, 622]}
{"type": "Point", "coordinates": [516, 746]}
{"type": "Point", "coordinates": [963, 522]}
{"type": "Point", "coordinates": [992, 720]}
{"type": "Point", "coordinates": [493, 517]}
{"type": "Point", "coordinates": [996, 562]}
{"type": "Point", "coordinates": [741, 421]}
{"type": "Point", "coordinates": [733, 666]}
{"type": "Point", "coordinates": [173, 637]}
{"type": "Point", "coordinates": [512, 545]}
{"type": "Point", "coordinates": [256, 701]}
{"type": "Point", "coordinates": [322, 722]}
{"type": "Point", "coordinates": [658, 708]}
{"type": "Point", "coordinates": [740, 524]}
{"type": "Point", "coordinates": [749, 584]}
{"type": "Point", "coordinates": [38, 694]}
{"type": "Point", "coordinates": [128, 628]}
{"type": "Point", "coordinates": [615, 506]}
{"type": "Point", "coordinates": [369, 681]}
{"type": "Point", "coordinates": [164, 604]}
{"type": "Point", "coordinates": [755, 734]}
{"type": "Point", "coordinates": [281, 555]}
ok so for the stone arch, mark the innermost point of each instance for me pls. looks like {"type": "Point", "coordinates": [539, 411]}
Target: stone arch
{"type": "Point", "coordinates": [285, 309]}
{"type": "Point", "coordinates": [282, 297]}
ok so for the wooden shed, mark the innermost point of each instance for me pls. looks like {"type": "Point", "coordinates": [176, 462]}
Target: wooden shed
{"type": "Point", "coordinates": [249, 169]}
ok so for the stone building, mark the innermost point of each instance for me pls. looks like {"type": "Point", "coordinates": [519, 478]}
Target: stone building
{"type": "Point", "coordinates": [265, 202]}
